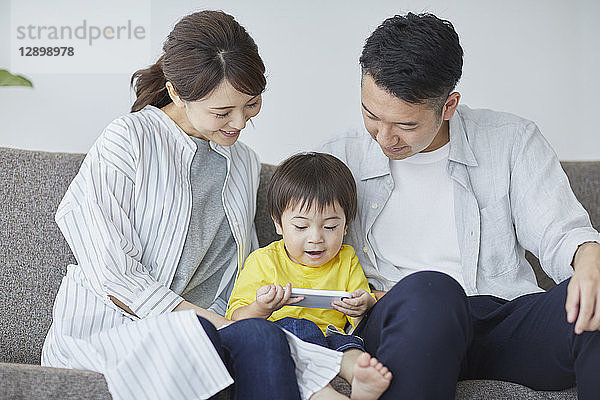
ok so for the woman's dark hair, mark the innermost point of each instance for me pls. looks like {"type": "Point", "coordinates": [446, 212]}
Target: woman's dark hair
{"type": "Point", "coordinates": [417, 58]}
{"type": "Point", "coordinates": [311, 179]}
{"type": "Point", "coordinates": [203, 49]}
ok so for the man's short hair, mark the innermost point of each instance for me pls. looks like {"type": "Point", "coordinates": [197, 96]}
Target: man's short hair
{"type": "Point", "coordinates": [415, 57]}
{"type": "Point", "coordinates": [311, 180]}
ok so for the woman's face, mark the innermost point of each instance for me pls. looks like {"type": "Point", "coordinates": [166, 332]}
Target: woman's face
{"type": "Point", "coordinates": [220, 116]}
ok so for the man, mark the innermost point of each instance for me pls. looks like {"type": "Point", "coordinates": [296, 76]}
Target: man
{"type": "Point", "coordinates": [449, 199]}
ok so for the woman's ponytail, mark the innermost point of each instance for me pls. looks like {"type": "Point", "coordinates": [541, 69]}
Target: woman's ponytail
{"type": "Point", "coordinates": [149, 86]}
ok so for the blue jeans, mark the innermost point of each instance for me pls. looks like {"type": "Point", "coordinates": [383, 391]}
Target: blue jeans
{"type": "Point", "coordinates": [257, 355]}
{"type": "Point", "coordinates": [310, 332]}
{"type": "Point", "coordinates": [425, 329]}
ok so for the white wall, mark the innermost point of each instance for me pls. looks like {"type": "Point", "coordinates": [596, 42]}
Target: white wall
{"type": "Point", "coordinates": [538, 59]}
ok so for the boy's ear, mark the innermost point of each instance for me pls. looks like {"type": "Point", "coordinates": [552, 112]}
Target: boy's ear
{"type": "Point", "coordinates": [278, 229]}
{"type": "Point", "coordinates": [345, 230]}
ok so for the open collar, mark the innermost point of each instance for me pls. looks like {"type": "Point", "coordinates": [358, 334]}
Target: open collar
{"type": "Point", "coordinates": [460, 149]}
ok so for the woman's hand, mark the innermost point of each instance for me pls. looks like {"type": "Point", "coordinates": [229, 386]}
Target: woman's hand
{"type": "Point", "coordinates": [217, 320]}
{"type": "Point", "coordinates": [378, 294]}
{"type": "Point", "coordinates": [356, 306]}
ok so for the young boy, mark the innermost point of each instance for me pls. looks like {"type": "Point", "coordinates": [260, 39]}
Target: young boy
{"type": "Point", "coordinates": [312, 198]}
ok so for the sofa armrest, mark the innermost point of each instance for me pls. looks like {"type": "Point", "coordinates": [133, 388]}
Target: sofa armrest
{"type": "Point", "coordinates": [26, 381]}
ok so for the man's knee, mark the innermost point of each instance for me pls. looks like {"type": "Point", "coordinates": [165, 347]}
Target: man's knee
{"type": "Point", "coordinates": [431, 297]}
{"type": "Point", "coordinates": [429, 286]}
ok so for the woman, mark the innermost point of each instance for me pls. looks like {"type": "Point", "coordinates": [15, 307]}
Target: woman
{"type": "Point", "coordinates": [159, 218]}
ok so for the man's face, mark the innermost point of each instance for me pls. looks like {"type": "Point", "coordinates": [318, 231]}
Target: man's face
{"type": "Point", "coordinates": [403, 129]}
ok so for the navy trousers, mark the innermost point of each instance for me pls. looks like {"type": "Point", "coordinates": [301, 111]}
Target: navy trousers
{"type": "Point", "coordinates": [431, 335]}
{"type": "Point", "coordinates": [257, 356]}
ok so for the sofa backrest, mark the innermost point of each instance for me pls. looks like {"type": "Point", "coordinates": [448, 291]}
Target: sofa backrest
{"type": "Point", "coordinates": [34, 254]}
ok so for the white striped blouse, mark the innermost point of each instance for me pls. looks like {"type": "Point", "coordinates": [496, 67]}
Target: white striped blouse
{"type": "Point", "coordinates": [125, 217]}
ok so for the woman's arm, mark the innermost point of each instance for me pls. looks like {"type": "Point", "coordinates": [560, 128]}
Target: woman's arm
{"type": "Point", "coordinates": [97, 218]}
{"type": "Point", "coordinates": [214, 318]}
{"type": "Point", "coordinates": [378, 293]}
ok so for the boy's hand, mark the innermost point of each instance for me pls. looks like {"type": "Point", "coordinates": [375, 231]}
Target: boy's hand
{"type": "Point", "coordinates": [360, 303]}
{"type": "Point", "coordinates": [271, 298]}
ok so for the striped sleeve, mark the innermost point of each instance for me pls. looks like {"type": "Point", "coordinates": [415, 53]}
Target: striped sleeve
{"type": "Point", "coordinates": [96, 219]}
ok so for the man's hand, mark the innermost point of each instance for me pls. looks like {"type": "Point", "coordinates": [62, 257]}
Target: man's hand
{"type": "Point", "coordinates": [358, 305]}
{"type": "Point", "coordinates": [270, 298]}
{"type": "Point", "coordinates": [583, 292]}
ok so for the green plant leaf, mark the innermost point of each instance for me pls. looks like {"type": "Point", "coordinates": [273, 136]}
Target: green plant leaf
{"type": "Point", "coordinates": [8, 79]}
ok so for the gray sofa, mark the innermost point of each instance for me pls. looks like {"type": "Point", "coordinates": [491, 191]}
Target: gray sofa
{"type": "Point", "coordinates": [34, 256]}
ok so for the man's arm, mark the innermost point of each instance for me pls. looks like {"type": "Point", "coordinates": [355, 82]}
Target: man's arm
{"type": "Point", "coordinates": [554, 226]}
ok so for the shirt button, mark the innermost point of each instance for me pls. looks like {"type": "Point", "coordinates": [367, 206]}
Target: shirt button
{"type": "Point", "coordinates": [472, 233]}
{"type": "Point", "coordinates": [366, 249]}
{"type": "Point", "coordinates": [374, 205]}
{"type": "Point", "coordinates": [388, 181]}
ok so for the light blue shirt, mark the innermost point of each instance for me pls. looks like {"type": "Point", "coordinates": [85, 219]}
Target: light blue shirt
{"type": "Point", "coordinates": [510, 195]}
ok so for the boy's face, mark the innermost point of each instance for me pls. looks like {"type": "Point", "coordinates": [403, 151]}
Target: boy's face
{"type": "Point", "coordinates": [312, 237]}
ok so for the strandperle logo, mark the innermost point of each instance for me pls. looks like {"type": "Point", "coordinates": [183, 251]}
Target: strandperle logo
{"type": "Point", "coordinates": [89, 33]}
{"type": "Point", "coordinates": [74, 37]}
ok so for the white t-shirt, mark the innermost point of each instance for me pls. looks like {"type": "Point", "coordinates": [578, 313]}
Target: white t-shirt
{"type": "Point", "coordinates": [416, 229]}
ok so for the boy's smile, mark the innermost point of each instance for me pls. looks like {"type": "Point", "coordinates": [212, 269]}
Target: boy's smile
{"type": "Point", "coordinates": [312, 237]}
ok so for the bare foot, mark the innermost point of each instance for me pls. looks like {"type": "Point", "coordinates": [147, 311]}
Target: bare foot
{"type": "Point", "coordinates": [371, 378]}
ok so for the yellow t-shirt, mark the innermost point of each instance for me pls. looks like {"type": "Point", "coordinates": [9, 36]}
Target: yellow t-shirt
{"type": "Point", "coordinates": [271, 265]}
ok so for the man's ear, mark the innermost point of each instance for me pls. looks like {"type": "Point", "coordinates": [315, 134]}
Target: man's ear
{"type": "Point", "coordinates": [174, 96]}
{"type": "Point", "coordinates": [345, 230]}
{"type": "Point", "coordinates": [450, 105]}
{"type": "Point", "coordinates": [278, 229]}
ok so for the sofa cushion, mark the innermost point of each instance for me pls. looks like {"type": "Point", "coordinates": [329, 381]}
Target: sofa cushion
{"type": "Point", "coordinates": [33, 253]}
{"type": "Point", "coordinates": [488, 390]}
{"type": "Point", "coordinates": [21, 381]}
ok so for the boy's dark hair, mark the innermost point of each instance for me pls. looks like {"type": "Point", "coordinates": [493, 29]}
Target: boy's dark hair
{"type": "Point", "coordinates": [417, 58]}
{"type": "Point", "coordinates": [309, 179]}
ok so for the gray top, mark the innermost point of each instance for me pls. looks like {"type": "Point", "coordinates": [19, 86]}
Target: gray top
{"type": "Point", "coordinates": [209, 245]}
